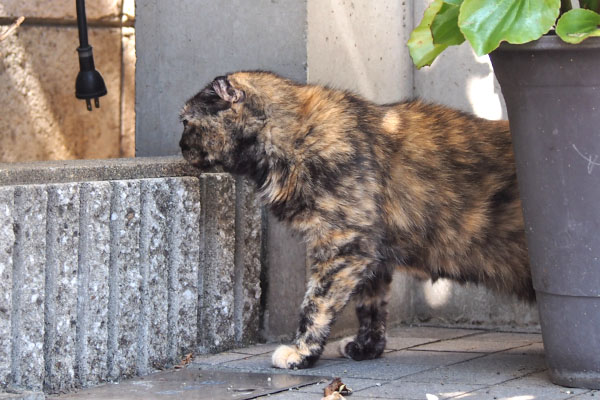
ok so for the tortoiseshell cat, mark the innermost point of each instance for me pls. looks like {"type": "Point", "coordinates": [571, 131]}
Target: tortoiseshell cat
{"type": "Point", "coordinates": [372, 188]}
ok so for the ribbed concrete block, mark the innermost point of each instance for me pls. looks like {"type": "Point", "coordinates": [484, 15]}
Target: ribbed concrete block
{"type": "Point", "coordinates": [184, 242]}
{"type": "Point", "coordinates": [93, 289]}
{"type": "Point", "coordinates": [248, 262]}
{"type": "Point", "coordinates": [216, 315]}
{"type": "Point", "coordinates": [125, 279]}
{"type": "Point", "coordinates": [154, 254]}
{"type": "Point", "coordinates": [27, 328]}
{"type": "Point", "coordinates": [7, 240]}
{"type": "Point", "coordinates": [62, 244]}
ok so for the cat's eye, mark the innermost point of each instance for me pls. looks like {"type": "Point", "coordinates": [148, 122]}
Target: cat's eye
{"type": "Point", "coordinates": [185, 123]}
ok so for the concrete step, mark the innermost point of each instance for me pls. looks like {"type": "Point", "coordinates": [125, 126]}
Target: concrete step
{"type": "Point", "coordinates": [106, 279]}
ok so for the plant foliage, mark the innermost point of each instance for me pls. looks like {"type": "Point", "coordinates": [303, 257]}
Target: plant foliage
{"type": "Point", "coordinates": [487, 23]}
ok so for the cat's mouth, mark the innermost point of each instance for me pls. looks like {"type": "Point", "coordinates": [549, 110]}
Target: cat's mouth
{"type": "Point", "coordinates": [197, 158]}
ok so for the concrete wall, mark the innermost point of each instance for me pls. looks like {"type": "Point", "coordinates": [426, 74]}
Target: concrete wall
{"type": "Point", "coordinates": [40, 118]}
{"type": "Point", "coordinates": [111, 269]}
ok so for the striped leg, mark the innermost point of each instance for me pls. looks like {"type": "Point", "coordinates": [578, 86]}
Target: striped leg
{"type": "Point", "coordinates": [371, 310]}
{"type": "Point", "coordinates": [329, 289]}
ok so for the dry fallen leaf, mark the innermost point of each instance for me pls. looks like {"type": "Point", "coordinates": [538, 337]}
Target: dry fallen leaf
{"type": "Point", "coordinates": [185, 361]}
{"type": "Point", "coordinates": [336, 386]}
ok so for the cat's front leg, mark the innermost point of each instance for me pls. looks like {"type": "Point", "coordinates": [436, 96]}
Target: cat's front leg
{"type": "Point", "coordinates": [329, 288]}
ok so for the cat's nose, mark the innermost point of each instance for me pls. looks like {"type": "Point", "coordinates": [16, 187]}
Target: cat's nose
{"type": "Point", "coordinates": [183, 145]}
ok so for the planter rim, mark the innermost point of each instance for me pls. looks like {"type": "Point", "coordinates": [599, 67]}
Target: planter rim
{"type": "Point", "coordinates": [551, 42]}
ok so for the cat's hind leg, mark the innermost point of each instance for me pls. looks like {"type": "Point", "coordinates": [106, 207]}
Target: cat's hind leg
{"type": "Point", "coordinates": [371, 310]}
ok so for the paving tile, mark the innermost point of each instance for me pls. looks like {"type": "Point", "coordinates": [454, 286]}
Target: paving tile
{"type": "Point", "coordinates": [257, 349]}
{"type": "Point", "coordinates": [427, 332]}
{"type": "Point", "coordinates": [430, 358]}
{"type": "Point", "coordinates": [534, 349]}
{"type": "Point", "coordinates": [470, 345]}
{"type": "Point", "coordinates": [380, 370]}
{"type": "Point", "coordinates": [296, 395]}
{"type": "Point", "coordinates": [490, 369]}
{"type": "Point", "coordinates": [220, 358]}
{"type": "Point", "coordinates": [535, 379]}
{"type": "Point", "coordinates": [400, 343]}
{"type": "Point", "coordinates": [262, 363]}
{"type": "Point", "coordinates": [419, 391]}
{"type": "Point", "coordinates": [591, 395]}
{"type": "Point", "coordinates": [509, 337]}
{"type": "Point", "coordinates": [506, 392]}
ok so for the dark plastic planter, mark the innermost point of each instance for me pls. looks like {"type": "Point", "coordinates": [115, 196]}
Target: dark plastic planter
{"type": "Point", "coordinates": [552, 93]}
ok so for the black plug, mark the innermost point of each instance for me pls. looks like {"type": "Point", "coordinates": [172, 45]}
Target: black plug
{"type": "Point", "coordinates": [89, 84]}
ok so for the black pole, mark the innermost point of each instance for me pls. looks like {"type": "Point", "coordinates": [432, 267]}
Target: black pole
{"type": "Point", "coordinates": [89, 84]}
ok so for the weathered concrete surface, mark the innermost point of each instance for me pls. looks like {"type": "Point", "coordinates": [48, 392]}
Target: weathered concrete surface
{"type": "Point", "coordinates": [127, 134]}
{"type": "Point", "coordinates": [124, 279]}
{"type": "Point", "coordinates": [60, 311]}
{"type": "Point", "coordinates": [249, 226]}
{"type": "Point", "coordinates": [7, 241]}
{"type": "Point", "coordinates": [152, 346]}
{"type": "Point", "coordinates": [184, 261]}
{"type": "Point", "coordinates": [217, 264]}
{"type": "Point", "coordinates": [38, 68]}
{"type": "Point", "coordinates": [37, 77]}
{"type": "Point", "coordinates": [94, 170]}
{"type": "Point", "coordinates": [60, 9]}
{"type": "Point", "coordinates": [105, 279]}
{"type": "Point", "coordinates": [29, 256]}
{"type": "Point", "coordinates": [93, 278]}
{"type": "Point", "coordinates": [178, 53]}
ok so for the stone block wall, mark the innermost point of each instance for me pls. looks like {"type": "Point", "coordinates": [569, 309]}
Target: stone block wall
{"type": "Point", "coordinates": [40, 118]}
{"type": "Point", "coordinates": [107, 278]}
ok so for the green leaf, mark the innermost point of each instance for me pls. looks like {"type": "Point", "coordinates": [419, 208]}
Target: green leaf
{"type": "Point", "coordinates": [577, 25]}
{"type": "Point", "coordinates": [593, 5]}
{"type": "Point", "coordinates": [445, 25]}
{"type": "Point", "coordinates": [420, 44]}
{"type": "Point", "coordinates": [486, 23]}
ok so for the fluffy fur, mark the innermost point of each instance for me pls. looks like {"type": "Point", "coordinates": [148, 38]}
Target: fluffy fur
{"type": "Point", "coordinates": [373, 188]}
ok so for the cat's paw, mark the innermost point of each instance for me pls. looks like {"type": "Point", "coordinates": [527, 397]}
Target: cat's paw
{"type": "Point", "coordinates": [355, 350]}
{"type": "Point", "coordinates": [346, 344]}
{"type": "Point", "coordinates": [287, 357]}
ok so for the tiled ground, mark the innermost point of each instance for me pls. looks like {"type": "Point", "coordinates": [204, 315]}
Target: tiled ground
{"type": "Point", "coordinates": [420, 363]}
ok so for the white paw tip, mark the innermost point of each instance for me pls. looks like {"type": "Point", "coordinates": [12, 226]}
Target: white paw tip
{"type": "Point", "coordinates": [285, 356]}
{"type": "Point", "coordinates": [343, 344]}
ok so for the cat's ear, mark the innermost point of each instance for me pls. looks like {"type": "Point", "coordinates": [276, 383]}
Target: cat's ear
{"type": "Point", "coordinates": [224, 90]}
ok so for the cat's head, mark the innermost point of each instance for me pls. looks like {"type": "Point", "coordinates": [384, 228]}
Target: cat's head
{"type": "Point", "coordinates": [223, 124]}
